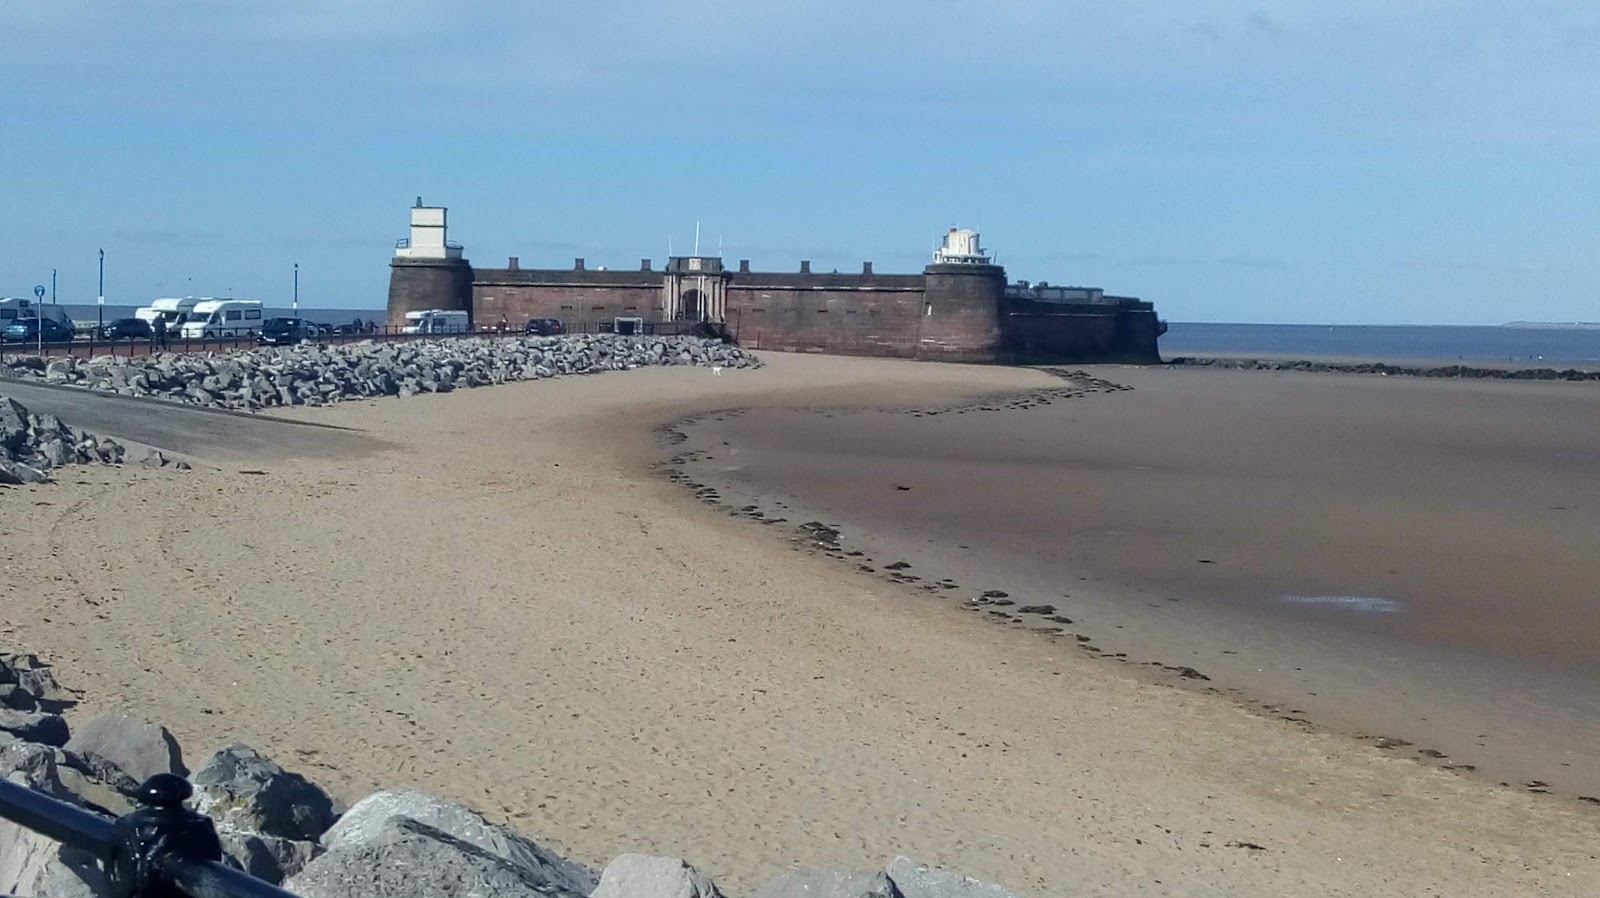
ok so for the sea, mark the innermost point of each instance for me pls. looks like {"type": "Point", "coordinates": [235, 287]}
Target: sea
{"type": "Point", "coordinates": [1535, 344]}
{"type": "Point", "coordinates": [1523, 344]}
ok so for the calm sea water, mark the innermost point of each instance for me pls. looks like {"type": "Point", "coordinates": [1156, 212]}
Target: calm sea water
{"type": "Point", "coordinates": [1551, 346]}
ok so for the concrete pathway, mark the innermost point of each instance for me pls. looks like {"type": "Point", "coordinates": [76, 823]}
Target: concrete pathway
{"type": "Point", "coordinates": [212, 435]}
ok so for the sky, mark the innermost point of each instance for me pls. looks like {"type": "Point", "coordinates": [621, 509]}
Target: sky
{"type": "Point", "coordinates": [1365, 161]}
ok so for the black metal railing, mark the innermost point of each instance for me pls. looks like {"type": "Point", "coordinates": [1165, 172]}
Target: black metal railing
{"type": "Point", "coordinates": [162, 849]}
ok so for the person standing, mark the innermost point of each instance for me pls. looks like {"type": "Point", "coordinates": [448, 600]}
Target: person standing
{"type": "Point", "coordinates": [158, 333]}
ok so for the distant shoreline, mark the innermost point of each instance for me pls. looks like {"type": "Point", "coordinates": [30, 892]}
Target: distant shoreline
{"type": "Point", "coordinates": [1356, 365]}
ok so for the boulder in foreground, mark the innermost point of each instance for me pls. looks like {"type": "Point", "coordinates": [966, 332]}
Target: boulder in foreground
{"type": "Point", "coordinates": [365, 822]}
{"type": "Point", "coordinates": [139, 749]}
{"type": "Point", "coordinates": [914, 880]}
{"type": "Point", "coordinates": [828, 884]}
{"type": "Point", "coordinates": [32, 863]}
{"type": "Point", "coordinates": [244, 790]}
{"type": "Point", "coordinates": [407, 859]}
{"type": "Point", "coordinates": [643, 876]}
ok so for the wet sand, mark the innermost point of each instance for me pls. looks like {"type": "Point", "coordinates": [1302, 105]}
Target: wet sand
{"type": "Point", "coordinates": [1416, 562]}
{"type": "Point", "coordinates": [502, 602]}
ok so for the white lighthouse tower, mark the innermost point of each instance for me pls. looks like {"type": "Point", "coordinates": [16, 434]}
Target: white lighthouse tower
{"type": "Point", "coordinates": [428, 239]}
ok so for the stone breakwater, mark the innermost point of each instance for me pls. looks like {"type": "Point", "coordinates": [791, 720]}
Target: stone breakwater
{"type": "Point", "coordinates": [281, 827]}
{"type": "Point", "coordinates": [1384, 368]}
{"type": "Point", "coordinates": [307, 374]}
{"type": "Point", "coordinates": [31, 445]}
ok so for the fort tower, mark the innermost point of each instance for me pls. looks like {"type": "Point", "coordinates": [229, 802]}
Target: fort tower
{"type": "Point", "coordinates": [964, 289]}
{"type": "Point", "coordinates": [428, 271]}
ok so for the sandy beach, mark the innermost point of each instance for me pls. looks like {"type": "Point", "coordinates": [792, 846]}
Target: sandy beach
{"type": "Point", "coordinates": [503, 602]}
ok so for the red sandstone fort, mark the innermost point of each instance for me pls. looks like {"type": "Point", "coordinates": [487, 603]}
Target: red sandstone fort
{"type": "Point", "coordinates": [960, 308]}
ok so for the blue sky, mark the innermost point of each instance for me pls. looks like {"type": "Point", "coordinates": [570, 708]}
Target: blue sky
{"type": "Point", "coordinates": [1275, 161]}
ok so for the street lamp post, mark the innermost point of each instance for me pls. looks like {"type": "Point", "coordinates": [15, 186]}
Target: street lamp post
{"type": "Point", "coordinates": [296, 290]}
{"type": "Point", "coordinates": [101, 305]}
{"type": "Point", "coordinates": [38, 318]}
{"type": "Point", "coordinates": [52, 286]}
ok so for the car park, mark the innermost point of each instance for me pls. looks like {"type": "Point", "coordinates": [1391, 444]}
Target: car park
{"type": "Point", "coordinates": [437, 321]}
{"type": "Point", "coordinates": [25, 330]}
{"type": "Point", "coordinates": [287, 331]}
{"type": "Point", "coordinates": [127, 329]}
{"type": "Point", "coordinates": [222, 318]}
{"type": "Point", "coordinates": [544, 327]}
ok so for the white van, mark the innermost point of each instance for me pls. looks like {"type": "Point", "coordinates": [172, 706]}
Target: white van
{"type": "Point", "coordinates": [171, 309]}
{"type": "Point", "coordinates": [437, 321]}
{"type": "Point", "coordinates": [214, 318]}
{"type": "Point", "coordinates": [14, 308]}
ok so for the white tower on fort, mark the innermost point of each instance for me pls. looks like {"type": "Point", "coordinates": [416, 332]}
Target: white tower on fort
{"type": "Point", "coordinates": [427, 240]}
{"type": "Point", "coordinates": [960, 248]}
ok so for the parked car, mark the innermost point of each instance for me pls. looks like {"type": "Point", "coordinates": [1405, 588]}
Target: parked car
{"type": "Point", "coordinates": [127, 329]}
{"type": "Point", "coordinates": [26, 330]}
{"type": "Point", "coordinates": [544, 327]}
{"type": "Point", "coordinates": [287, 331]}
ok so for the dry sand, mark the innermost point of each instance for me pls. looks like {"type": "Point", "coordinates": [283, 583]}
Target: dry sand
{"type": "Point", "coordinates": [510, 609]}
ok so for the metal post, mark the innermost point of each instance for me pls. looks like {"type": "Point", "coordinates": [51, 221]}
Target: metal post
{"type": "Point", "coordinates": [101, 306]}
{"type": "Point", "coordinates": [38, 318]}
{"type": "Point", "coordinates": [52, 286]}
{"type": "Point", "coordinates": [297, 289]}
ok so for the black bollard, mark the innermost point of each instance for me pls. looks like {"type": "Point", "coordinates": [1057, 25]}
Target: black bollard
{"type": "Point", "coordinates": [155, 835]}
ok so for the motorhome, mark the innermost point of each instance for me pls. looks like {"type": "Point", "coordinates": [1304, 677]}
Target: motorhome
{"type": "Point", "coordinates": [437, 321]}
{"type": "Point", "coordinates": [13, 309]}
{"type": "Point", "coordinates": [214, 318]}
{"type": "Point", "coordinates": [171, 309]}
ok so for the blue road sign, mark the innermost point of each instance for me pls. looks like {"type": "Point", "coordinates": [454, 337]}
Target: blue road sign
{"type": "Point", "coordinates": [38, 291]}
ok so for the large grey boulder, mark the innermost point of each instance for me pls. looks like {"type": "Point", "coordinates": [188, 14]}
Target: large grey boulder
{"type": "Point", "coordinates": [266, 857]}
{"type": "Point", "coordinates": [366, 821]}
{"type": "Point", "coordinates": [915, 880]}
{"type": "Point", "coordinates": [16, 698]}
{"type": "Point", "coordinates": [242, 789]}
{"type": "Point", "coordinates": [828, 884]}
{"type": "Point", "coordinates": [13, 425]}
{"type": "Point", "coordinates": [32, 765]}
{"type": "Point", "coordinates": [18, 474]}
{"type": "Point", "coordinates": [95, 794]}
{"type": "Point", "coordinates": [31, 863]}
{"type": "Point", "coordinates": [643, 876]}
{"type": "Point", "coordinates": [139, 749]}
{"type": "Point", "coordinates": [407, 859]}
{"type": "Point", "coordinates": [34, 726]}
{"type": "Point", "coordinates": [39, 680]}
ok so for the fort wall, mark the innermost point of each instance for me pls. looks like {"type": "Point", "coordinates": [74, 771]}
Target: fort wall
{"type": "Point", "coordinates": [419, 284]}
{"type": "Point", "coordinates": [572, 296]}
{"type": "Point", "coordinates": [960, 308]}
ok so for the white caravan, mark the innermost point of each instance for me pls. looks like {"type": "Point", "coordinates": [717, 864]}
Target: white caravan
{"type": "Point", "coordinates": [171, 309]}
{"type": "Point", "coordinates": [437, 321]}
{"type": "Point", "coordinates": [14, 308]}
{"type": "Point", "coordinates": [214, 318]}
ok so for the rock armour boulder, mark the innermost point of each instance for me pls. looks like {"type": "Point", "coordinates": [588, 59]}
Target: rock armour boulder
{"type": "Point", "coordinates": [139, 749]}
{"type": "Point", "coordinates": [244, 790]}
{"type": "Point", "coordinates": [828, 884]}
{"type": "Point", "coordinates": [31, 445]}
{"type": "Point", "coordinates": [365, 821]}
{"type": "Point", "coordinates": [407, 859]}
{"type": "Point", "coordinates": [914, 880]}
{"type": "Point", "coordinates": [247, 380]}
{"type": "Point", "coordinates": [643, 876]}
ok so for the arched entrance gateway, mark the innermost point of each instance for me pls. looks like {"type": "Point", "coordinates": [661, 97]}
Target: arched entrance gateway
{"type": "Point", "coordinates": [692, 307]}
{"type": "Point", "coordinates": [695, 289]}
